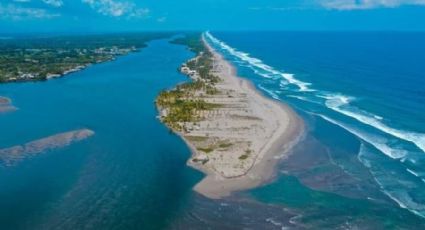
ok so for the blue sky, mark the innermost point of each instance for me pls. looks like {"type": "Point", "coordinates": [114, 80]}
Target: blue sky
{"type": "Point", "coordinates": [128, 15]}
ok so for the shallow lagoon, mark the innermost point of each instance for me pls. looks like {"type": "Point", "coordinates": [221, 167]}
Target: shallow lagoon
{"type": "Point", "coordinates": [131, 174]}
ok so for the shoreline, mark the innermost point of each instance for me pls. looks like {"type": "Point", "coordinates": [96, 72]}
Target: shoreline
{"type": "Point", "coordinates": [263, 169]}
{"type": "Point", "coordinates": [65, 73]}
{"type": "Point", "coordinates": [236, 134]}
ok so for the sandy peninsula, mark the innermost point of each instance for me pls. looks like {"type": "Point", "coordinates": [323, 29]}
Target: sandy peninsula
{"type": "Point", "coordinates": [238, 142]}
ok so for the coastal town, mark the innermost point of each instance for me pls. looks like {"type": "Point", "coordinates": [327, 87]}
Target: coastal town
{"type": "Point", "coordinates": [35, 59]}
{"type": "Point", "coordinates": [42, 64]}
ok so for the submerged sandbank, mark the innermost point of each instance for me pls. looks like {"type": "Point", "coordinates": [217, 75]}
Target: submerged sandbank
{"type": "Point", "coordinates": [13, 155]}
{"type": "Point", "coordinates": [6, 105]}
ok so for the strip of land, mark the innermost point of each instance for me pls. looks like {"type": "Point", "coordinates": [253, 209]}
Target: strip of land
{"type": "Point", "coordinates": [236, 134]}
{"type": "Point", "coordinates": [41, 58]}
{"type": "Point", "coordinates": [13, 155]}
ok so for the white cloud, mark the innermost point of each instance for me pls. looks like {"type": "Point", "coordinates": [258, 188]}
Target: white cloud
{"type": "Point", "coordinates": [140, 12]}
{"type": "Point", "coordinates": [117, 8]}
{"type": "Point", "coordinates": [55, 3]}
{"type": "Point", "coordinates": [14, 12]}
{"type": "Point", "coordinates": [339, 5]}
{"type": "Point", "coordinates": [367, 4]}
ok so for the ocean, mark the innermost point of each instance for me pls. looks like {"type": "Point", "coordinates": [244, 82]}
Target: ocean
{"type": "Point", "coordinates": [360, 163]}
{"type": "Point", "coordinates": [362, 96]}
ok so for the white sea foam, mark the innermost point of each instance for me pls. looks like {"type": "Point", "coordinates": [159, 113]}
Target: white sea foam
{"type": "Point", "coordinates": [264, 74]}
{"type": "Point", "coordinates": [394, 188]}
{"type": "Point", "coordinates": [403, 199]}
{"type": "Point", "coordinates": [340, 103]}
{"type": "Point", "coordinates": [257, 63]}
{"type": "Point", "coordinates": [294, 220]}
{"type": "Point", "coordinates": [274, 222]}
{"type": "Point", "coordinates": [378, 142]}
{"type": "Point", "coordinates": [413, 172]}
{"type": "Point", "coordinates": [283, 83]}
{"type": "Point", "coordinates": [416, 174]}
{"type": "Point", "coordinates": [378, 117]}
{"type": "Point", "coordinates": [304, 86]}
{"type": "Point", "coordinates": [334, 101]}
{"type": "Point", "coordinates": [298, 97]}
{"type": "Point", "coordinates": [362, 158]}
{"type": "Point", "coordinates": [271, 93]}
{"type": "Point", "coordinates": [303, 99]}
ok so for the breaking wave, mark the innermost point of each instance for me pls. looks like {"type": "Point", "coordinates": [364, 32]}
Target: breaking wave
{"type": "Point", "coordinates": [340, 104]}
{"type": "Point", "coordinates": [335, 101]}
{"type": "Point", "coordinates": [371, 129]}
{"type": "Point", "coordinates": [379, 143]}
{"type": "Point", "coordinates": [256, 64]}
{"type": "Point", "coordinates": [393, 185]}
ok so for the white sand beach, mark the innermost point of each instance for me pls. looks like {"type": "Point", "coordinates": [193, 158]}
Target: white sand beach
{"type": "Point", "coordinates": [239, 144]}
{"type": "Point", "coordinates": [263, 129]}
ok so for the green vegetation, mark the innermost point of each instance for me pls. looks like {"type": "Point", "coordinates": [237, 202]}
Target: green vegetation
{"type": "Point", "coordinates": [206, 150]}
{"type": "Point", "coordinates": [196, 138]}
{"type": "Point", "coordinates": [225, 145]}
{"type": "Point", "coordinates": [212, 147]}
{"type": "Point", "coordinates": [203, 63]}
{"type": "Point", "coordinates": [183, 104]}
{"type": "Point", "coordinates": [181, 108]}
{"type": "Point", "coordinates": [203, 161]}
{"type": "Point", "coordinates": [192, 41]}
{"type": "Point", "coordinates": [245, 117]}
{"type": "Point", "coordinates": [245, 155]}
{"type": "Point", "coordinates": [37, 58]}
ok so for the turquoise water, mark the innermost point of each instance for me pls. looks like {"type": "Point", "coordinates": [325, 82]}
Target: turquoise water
{"type": "Point", "coordinates": [361, 163]}
{"type": "Point", "coordinates": [131, 175]}
{"type": "Point", "coordinates": [349, 171]}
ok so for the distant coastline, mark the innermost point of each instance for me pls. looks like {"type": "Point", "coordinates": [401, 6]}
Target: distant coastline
{"type": "Point", "coordinates": [236, 134]}
{"type": "Point", "coordinates": [37, 76]}
{"type": "Point", "coordinates": [44, 58]}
